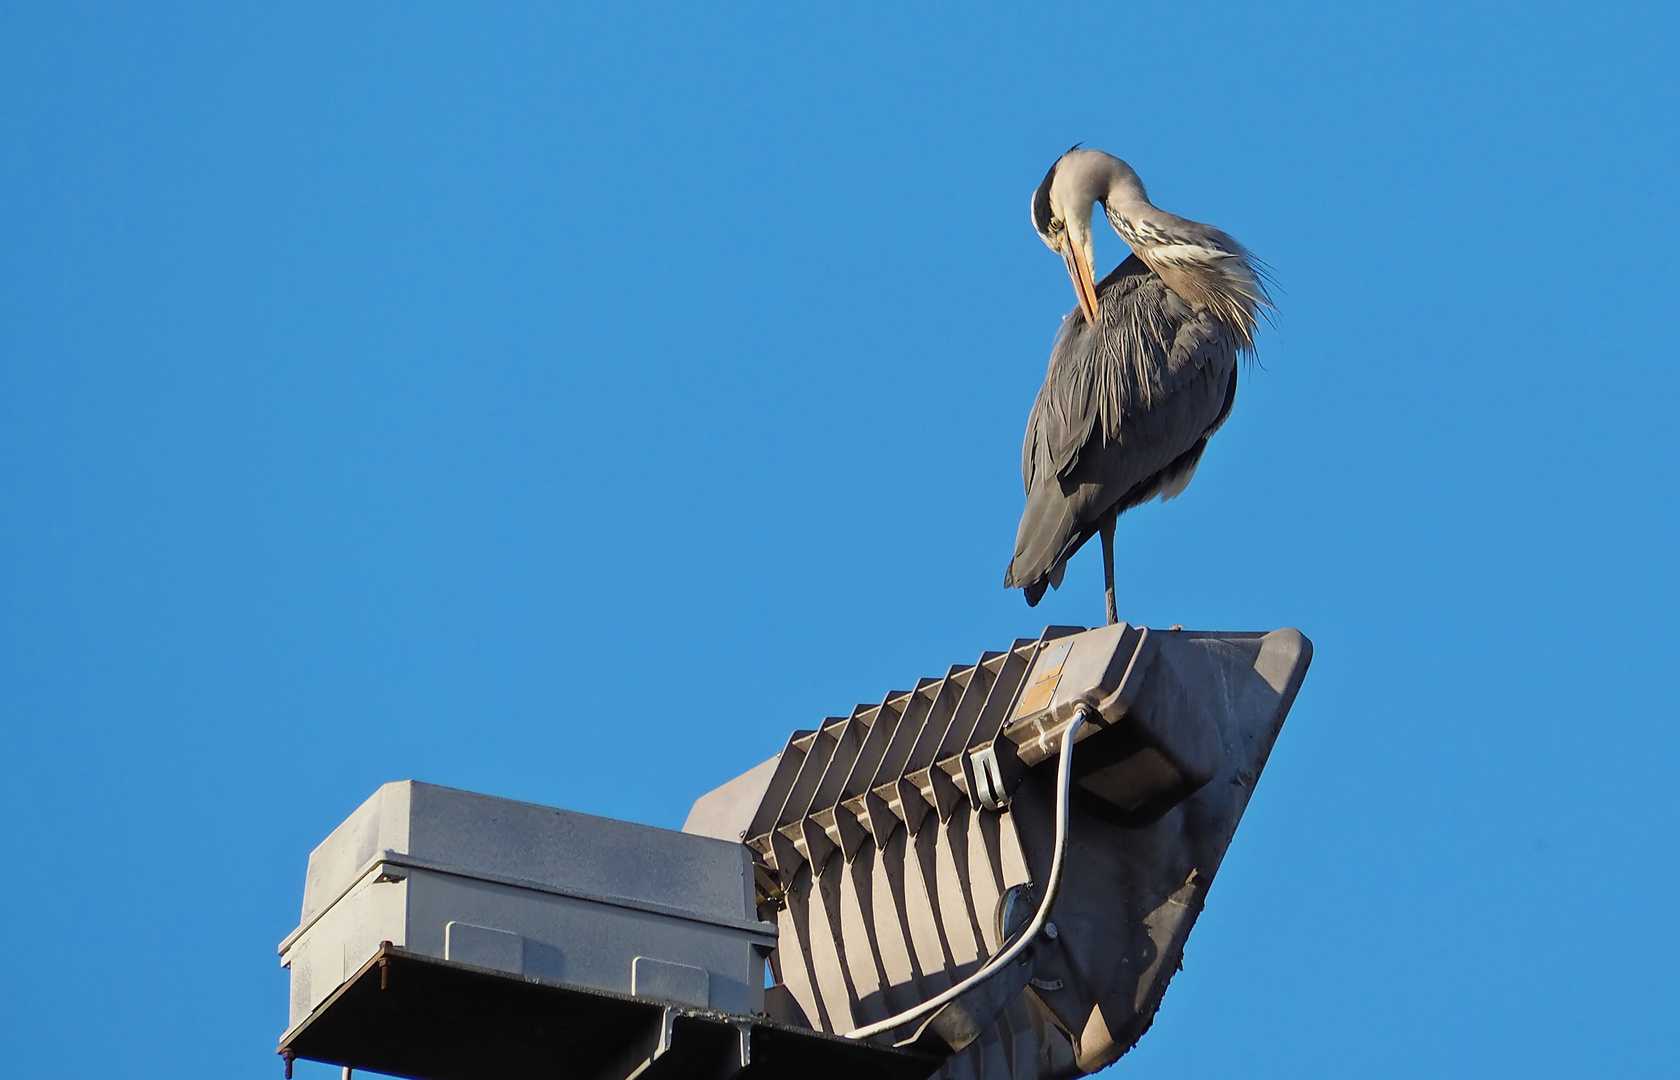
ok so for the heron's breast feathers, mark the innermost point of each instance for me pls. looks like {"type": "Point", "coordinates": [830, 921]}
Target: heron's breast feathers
{"type": "Point", "coordinates": [1147, 346]}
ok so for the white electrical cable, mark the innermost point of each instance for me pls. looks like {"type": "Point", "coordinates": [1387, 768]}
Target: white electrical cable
{"type": "Point", "coordinates": [1064, 773]}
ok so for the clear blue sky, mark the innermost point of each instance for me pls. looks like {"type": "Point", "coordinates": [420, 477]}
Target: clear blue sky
{"type": "Point", "coordinates": [569, 404]}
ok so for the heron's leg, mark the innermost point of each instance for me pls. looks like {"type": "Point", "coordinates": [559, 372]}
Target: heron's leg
{"type": "Point", "coordinates": [1106, 527]}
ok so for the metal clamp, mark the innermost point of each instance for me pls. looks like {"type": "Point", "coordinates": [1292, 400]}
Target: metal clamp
{"type": "Point", "coordinates": [988, 778]}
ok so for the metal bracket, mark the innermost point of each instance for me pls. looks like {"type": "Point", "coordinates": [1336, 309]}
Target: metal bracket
{"type": "Point", "coordinates": [654, 1043]}
{"type": "Point", "coordinates": [988, 777]}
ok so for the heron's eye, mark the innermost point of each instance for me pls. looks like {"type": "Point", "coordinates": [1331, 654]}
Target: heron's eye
{"type": "Point", "coordinates": [1055, 225]}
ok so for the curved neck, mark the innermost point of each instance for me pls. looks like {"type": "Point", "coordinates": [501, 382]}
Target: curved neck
{"type": "Point", "coordinates": [1091, 176]}
{"type": "Point", "coordinates": [1124, 192]}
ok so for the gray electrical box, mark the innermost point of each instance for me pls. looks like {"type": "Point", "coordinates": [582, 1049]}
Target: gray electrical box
{"type": "Point", "coordinates": [533, 892]}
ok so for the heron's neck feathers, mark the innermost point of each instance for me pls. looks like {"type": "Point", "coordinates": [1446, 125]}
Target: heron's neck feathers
{"type": "Point", "coordinates": [1203, 266]}
{"type": "Point", "coordinates": [1206, 268]}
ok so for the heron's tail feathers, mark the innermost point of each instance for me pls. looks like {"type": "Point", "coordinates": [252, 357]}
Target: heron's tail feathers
{"type": "Point", "coordinates": [1034, 590]}
{"type": "Point", "coordinates": [1050, 533]}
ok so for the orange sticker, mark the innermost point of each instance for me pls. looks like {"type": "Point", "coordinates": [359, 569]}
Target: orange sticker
{"type": "Point", "coordinates": [1047, 672]}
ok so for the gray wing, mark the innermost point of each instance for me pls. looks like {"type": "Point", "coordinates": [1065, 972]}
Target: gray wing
{"type": "Point", "coordinates": [1124, 414]}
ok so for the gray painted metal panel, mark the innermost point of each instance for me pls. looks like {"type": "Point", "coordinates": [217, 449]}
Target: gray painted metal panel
{"type": "Point", "coordinates": [528, 890]}
{"type": "Point", "coordinates": [661, 980]}
{"type": "Point", "coordinates": [726, 814]}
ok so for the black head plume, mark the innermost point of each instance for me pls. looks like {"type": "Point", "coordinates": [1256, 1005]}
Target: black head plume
{"type": "Point", "coordinates": [1041, 198]}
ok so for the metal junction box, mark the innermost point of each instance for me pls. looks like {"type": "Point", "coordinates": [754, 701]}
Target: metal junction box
{"type": "Point", "coordinates": [530, 891]}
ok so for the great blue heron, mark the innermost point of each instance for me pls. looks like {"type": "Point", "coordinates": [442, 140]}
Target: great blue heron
{"type": "Point", "coordinates": [1142, 373]}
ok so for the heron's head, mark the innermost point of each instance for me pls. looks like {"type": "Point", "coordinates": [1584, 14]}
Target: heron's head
{"type": "Point", "coordinates": [1061, 212]}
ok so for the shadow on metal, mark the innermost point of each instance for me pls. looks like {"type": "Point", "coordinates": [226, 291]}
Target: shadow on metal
{"type": "Point", "coordinates": [416, 1016]}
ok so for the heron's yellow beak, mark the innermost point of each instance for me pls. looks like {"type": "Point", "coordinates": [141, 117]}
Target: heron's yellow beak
{"type": "Point", "coordinates": [1079, 269]}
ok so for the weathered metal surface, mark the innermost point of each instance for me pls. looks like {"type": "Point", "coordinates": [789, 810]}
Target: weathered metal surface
{"type": "Point", "coordinates": [885, 884]}
{"type": "Point", "coordinates": [530, 890]}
